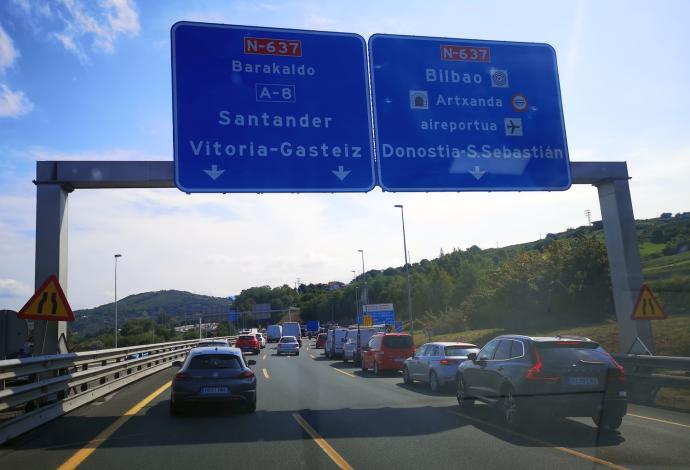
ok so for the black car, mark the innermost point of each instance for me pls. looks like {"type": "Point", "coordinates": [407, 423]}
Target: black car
{"type": "Point", "coordinates": [545, 376]}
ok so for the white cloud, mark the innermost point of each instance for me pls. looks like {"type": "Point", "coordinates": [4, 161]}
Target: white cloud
{"type": "Point", "coordinates": [13, 103]}
{"type": "Point", "coordinates": [8, 53]}
{"type": "Point", "coordinates": [10, 288]}
{"type": "Point", "coordinates": [76, 25]}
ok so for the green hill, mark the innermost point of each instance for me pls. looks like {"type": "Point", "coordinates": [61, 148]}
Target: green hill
{"type": "Point", "coordinates": [172, 303]}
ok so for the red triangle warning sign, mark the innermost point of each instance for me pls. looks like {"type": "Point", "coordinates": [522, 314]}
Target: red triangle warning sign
{"type": "Point", "coordinates": [48, 303]}
{"type": "Point", "coordinates": [647, 307]}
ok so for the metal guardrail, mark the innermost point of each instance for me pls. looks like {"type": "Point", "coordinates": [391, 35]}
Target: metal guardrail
{"type": "Point", "coordinates": [645, 375]}
{"type": "Point", "coordinates": [35, 390]}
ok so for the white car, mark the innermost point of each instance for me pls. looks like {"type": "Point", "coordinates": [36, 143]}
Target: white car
{"type": "Point", "coordinates": [261, 338]}
{"type": "Point", "coordinates": [288, 345]}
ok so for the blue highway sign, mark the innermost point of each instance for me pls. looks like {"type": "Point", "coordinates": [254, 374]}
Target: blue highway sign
{"type": "Point", "coordinates": [270, 110]}
{"type": "Point", "coordinates": [467, 115]}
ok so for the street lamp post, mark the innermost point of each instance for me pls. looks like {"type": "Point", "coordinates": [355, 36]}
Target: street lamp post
{"type": "Point", "coordinates": [354, 275]}
{"type": "Point", "coordinates": [116, 257]}
{"type": "Point", "coordinates": [365, 291]}
{"type": "Point", "coordinates": [407, 270]}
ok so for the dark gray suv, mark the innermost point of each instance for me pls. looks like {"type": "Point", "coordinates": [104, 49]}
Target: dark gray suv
{"type": "Point", "coordinates": [550, 376]}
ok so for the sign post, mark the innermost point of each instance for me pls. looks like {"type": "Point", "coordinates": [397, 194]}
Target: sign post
{"type": "Point", "coordinates": [270, 110]}
{"type": "Point", "coordinates": [467, 115]}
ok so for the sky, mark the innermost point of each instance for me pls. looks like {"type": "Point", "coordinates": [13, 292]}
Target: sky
{"type": "Point", "coordinates": [91, 80]}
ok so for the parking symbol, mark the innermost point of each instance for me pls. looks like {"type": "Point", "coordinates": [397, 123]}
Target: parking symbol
{"type": "Point", "coordinates": [419, 99]}
{"type": "Point", "coordinates": [513, 126]}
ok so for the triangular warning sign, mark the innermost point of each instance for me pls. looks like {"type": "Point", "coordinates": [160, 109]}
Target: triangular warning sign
{"type": "Point", "coordinates": [48, 303]}
{"type": "Point", "coordinates": [647, 307]}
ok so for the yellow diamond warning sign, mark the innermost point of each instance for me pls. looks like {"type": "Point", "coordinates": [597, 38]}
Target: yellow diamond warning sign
{"type": "Point", "coordinates": [48, 303]}
{"type": "Point", "coordinates": [647, 307]}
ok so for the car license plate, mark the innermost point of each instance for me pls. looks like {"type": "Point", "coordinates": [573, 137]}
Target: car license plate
{"type": "Point", "coordinates": [214, 390]}
{"type": "Point", "coordinates": [583, 381]}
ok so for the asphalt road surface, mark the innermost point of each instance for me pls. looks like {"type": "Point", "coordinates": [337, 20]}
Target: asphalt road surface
{"type": "Point", "coordinates": [317, 413]}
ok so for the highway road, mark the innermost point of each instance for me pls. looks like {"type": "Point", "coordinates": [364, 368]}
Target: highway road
{"type": "Point", "coordinates": [318, 413]}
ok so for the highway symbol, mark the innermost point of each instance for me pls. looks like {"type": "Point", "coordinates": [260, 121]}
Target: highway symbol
{"type": "Point", "coordinates": [47, 303]}
{"type": "Point", "coordinates": [513, 126]}
{"type": "Point", "coordinates": [647, 306]}
{"type": "Point", "coordinates": [519, 102]}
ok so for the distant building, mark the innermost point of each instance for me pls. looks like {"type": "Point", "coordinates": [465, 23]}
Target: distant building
{"type": "Point", "coordinates": [597, 225]}
{"type": "Point", "coordinates": [666, 215]}
{"type": "Point", "coordinates": [334, 285]}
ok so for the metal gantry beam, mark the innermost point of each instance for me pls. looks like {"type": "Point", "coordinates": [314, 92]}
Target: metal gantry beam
{"type": "Point", "coordinates": [55, 179]}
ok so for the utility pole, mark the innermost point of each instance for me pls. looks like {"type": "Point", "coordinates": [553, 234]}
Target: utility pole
{"type": "Point", "coordinates": [199, 326]}
{"type": "Point", "coordinates": [365, 291]}
{"type": "Point", "coordinates": [116, 257]}
{"type": "Point", "coordinates": [588, 214]}
{"type": "Point", "coordinates": [407, 269]}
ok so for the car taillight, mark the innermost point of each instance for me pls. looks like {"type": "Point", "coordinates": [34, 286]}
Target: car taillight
{"type": "Point", "coordinates": [617, 374]}
{"type": "Point", "coordinates": [534, 372]}
{"type": "Point", "coordinates": [182, 376]}
{"type": "Point", "coordinates": [445, 362]}
{"type": "Point", "coordinates": [247, 374]}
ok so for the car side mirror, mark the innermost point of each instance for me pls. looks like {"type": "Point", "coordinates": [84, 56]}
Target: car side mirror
{"type": "Point", "coordinates": [472, 357]}
{"type": "Point", "coordinates": [177, 364]}
{"type": "Point", "coordinates": [251, 362]}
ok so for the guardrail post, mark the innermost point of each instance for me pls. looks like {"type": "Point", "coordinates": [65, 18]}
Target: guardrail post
{"type": "Point", "coordinates": [51, 251]}
{"type": "Point", "coordinates": [624, 260]}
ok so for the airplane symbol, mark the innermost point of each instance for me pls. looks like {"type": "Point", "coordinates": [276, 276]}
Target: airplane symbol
{"type": "Point", "coordinates": [513, 126]}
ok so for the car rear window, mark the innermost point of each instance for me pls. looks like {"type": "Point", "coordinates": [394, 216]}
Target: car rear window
{"type": "Point", "coordinates": [557, 354]}
{"type": "Point", "coordinates": [215, 361]}
{"type": "Point", "coordinates": [247, 337]}
{"type": "Point", "coordinates": [460, 351]}
{"type": "Point", "coordinates": [288, 339]}
{"type": "Point", "coordinates": [397, 342]}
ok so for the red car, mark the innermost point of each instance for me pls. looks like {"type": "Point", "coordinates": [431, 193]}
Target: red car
{"type": "Point", "coordinates": [387, 351]}
{"type": "Point", "coordinates": [320, 341]}
{"type": "Point", "coordinates": [248, 343]}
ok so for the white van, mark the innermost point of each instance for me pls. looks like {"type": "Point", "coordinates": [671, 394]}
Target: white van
{"type": "Point", "coordinates": [274, 333]}
{"type": "Point", "coordinates": [334, 342]}
{"type": "Point", "coordinates": [293, 329]}
{"type": "Point", "coordinates": [353, 351]}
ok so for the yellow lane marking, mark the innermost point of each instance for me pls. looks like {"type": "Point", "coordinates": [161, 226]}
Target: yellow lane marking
{"type": "Point", "coordinates": [265, 373]}
{"type": "Point", "coordinates": [321, 442]}
{"type": "Point", "coordinates": [343, 372]}
{"type": "Point", "coordinates": [659, 420]}
{"type": "Point", "coordinates": [567, 450]}
{"type": "Point", "coordinates": [84, 453]}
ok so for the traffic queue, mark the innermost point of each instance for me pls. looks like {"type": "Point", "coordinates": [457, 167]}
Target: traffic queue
{"type": "Point", "coordinates": [524, 377]}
